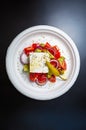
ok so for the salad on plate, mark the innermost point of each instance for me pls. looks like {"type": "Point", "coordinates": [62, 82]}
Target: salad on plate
{"type": "Point", "coordinates": [43, 63]}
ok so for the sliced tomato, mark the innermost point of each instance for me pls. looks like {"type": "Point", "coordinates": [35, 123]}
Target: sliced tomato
{"type": "Point", "coordinates": [64, 65]}
{"type": "Point", "coordinates": [54, 63]}
{"type": "Point", "coordinates": [27, 50]}
{"type": "Point", "coordinates": [51, 51]}
{"type": "Point", "coordinates": [35, 45]}
{"type": "Point", "coordinates": [52, 79]}
{"type": "Point", "coordinates": [56, 52]}
{"type": "Point", "coordinates": [55, 48]}
{"type": "Point", "coordinates": [57, 55]}
{"type": "Point", "coordinates": [41, 79]}
{"type": "Point", "coordinates": [47, 45]}
{"type": "Point", "coordinates": [33, 76]}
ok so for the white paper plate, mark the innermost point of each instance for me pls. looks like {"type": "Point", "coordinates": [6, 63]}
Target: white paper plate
{"type": "Point", "coordinates": [43, 34]}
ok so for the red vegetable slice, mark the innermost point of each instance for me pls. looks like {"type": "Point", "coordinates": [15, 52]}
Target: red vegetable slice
{"type": "Point", "coordinates": [57, 55]}
{"type": "Point", "coordinates": [41, 79]}
{"type": "Point", "coordinates": [55, 48]}
{"type": "Point", "coordinates": [47, 45]}
{"type": "Point", "coordinates": [64, 65]}
{"type": "Point", "coordinates": [52, 79]}
{"type": "Point", "coordinates": [51, 51]}
{"type": "Point", "coordinates": [33, 76]}
{"type": "Point", "coordinates": [56, 52]}
{"type": "Point", "coordinates": [35, 45]}
{"type": "Point", "coordinates": [55, 63]}
{"type": "Point", "coordinates": [27, 50]}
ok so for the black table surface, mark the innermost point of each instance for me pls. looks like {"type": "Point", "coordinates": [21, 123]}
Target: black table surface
{"type": "Point", "coordinates": [68, 112]}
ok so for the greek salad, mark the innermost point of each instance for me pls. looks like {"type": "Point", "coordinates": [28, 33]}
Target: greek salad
{"type": "Point", "coordinates": [43, 62]}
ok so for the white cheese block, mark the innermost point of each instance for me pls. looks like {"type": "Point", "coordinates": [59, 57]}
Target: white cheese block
{"type": "Point", "coordinates": [37, 62]}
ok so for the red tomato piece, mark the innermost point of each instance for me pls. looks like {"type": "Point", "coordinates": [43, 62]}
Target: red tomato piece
{"type": "Point", "coordinates": [27, 50]}
{"type": "Point", "coordinates": [51, 51]}
{"type": "Point", "coordinates": [55, 63]}
{"type": "Point", "coordinates": [64, 65]}
{"type": "Point", "coordinates": [52, 79]}
{"type": "Point", "coordinates": [41, 79]}
{"type": "Point", "coordinates": [56, 52]}
{"type": "Point", "coordinates": [55, 48]}
{"type": "Point", "coordinates": [33, 76]}
{"type": "Point", "coordinates": [35, 45]}
{"type": "Point", "coordinates": [47, 45]}
{"type": "Point", "coordinates": [57, 55]}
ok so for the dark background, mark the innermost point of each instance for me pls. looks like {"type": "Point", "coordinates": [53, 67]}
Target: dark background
{"type": "Point", "coordinates": [67, 112]}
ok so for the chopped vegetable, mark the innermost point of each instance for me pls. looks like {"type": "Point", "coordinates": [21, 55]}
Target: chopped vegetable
{"type": "Point", "coordinates": [51, 51]}
{"type": "Point", "coordinates": [42, 44]}
{"type": "Point", "coordinates": [26, 68]}
{"type": "Point", "coordinates": [62, 63]}
{"type": "Point", "coordinates": [53, 69]}
{"type": "Point", "coordinates": [54, 63]}
{"type": "Point", "coordinates": [52, 79]}
{"type": "Point", "coordinates": [61, 71]}
{"type": "Point", "coordinates": [47, 45]}
{"type": "Point", "coordinates": [38, 50]}
{"type": "Point", "coordinates": [49, 74]}
{"type": "Point", "coordinates": [51, 56]}
{"type": "Point", "coordinates": [47, 63]}
{"type": "Point", "coordinates": [35, 45]}
{"type": "Point", "coordinates": [41, 80]}
{"type": "Point", "coordinates": [33, 76]}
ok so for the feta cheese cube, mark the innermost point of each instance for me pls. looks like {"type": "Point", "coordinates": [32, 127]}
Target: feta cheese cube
{"type": "Point", "coordinates": [37, 62]}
